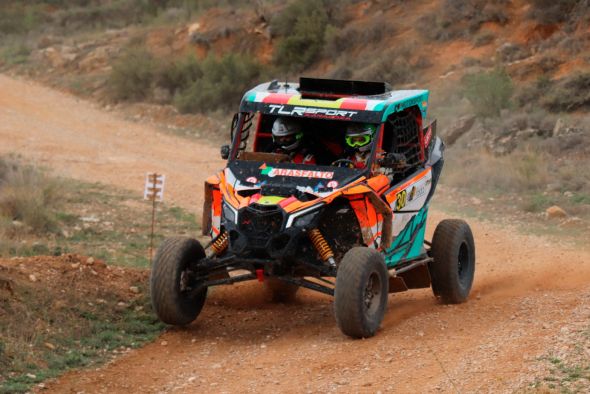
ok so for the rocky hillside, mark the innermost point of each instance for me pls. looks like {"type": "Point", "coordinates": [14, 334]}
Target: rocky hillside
{"type": "Point", "coordinates": [509, 78]}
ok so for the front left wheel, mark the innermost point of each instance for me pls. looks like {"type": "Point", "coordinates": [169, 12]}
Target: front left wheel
{"type": "Point", "coordinates": [176, 298]}
{"type": "Point", "coordinates": [360, 297]}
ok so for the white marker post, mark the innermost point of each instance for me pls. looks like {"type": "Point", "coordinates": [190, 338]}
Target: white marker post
{"type": "Point", "coordinates": [154, 190]}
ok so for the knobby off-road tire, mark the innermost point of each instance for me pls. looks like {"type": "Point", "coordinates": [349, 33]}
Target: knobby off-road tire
{"type": "Point", "coordinates": [280, 291]}
{"type": "Point", "coordinates": [453, 268]}
{"type": "Point", "coordinates": [360, 297]}
{"type": "Point", "coordinates": [171, 304]}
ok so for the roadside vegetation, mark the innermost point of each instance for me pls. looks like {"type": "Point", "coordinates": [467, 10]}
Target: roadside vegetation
{"type": "Point", "coordinates": [70, 310]}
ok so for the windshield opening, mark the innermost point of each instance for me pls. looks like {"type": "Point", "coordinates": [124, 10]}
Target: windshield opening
{"type": "Point", "coordinates": [320, 142]}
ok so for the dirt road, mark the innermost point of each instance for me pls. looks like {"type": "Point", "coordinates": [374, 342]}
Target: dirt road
{"type": "Point", "coordinates": [527, 289]}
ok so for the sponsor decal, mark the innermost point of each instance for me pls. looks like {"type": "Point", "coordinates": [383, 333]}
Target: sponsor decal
{"type": "Point", "coordinates": [272, 172]}
{"type": "Point", "coordinates": [333, 184]}
{"type": "Point", "coordinates": [412, 193]}
{"type": "Point", "coordinates": [428, 136]}
{"type": "Point", "coordinates": [252, 179]}
{"type": "Point", "coordinates": [311, 112]}
{"type": "Point", "coordinates": [416, 192]}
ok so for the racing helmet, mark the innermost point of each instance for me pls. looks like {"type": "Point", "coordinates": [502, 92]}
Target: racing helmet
{"type": "Point", "coordinates": [359, 136]}
{"type": "Point", "coordinates": [287, 133]}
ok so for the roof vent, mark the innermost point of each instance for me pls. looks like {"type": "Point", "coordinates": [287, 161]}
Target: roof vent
{"type": "Point", "coordinates": [335, 88]}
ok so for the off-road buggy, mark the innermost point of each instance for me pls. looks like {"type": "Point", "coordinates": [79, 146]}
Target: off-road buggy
{"type": "Point", "coordinates": [354, 233]}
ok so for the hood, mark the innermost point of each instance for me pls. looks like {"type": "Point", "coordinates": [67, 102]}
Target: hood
{"type": "Point", "coordinates": [287, 180]}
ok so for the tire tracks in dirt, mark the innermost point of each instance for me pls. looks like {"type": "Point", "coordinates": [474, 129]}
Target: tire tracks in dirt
{"type": "Point", "coordinates": [525, 289]}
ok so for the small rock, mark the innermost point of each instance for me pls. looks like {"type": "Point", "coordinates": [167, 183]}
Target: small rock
{"type": "Point", "coordinates": [568, 194]}
{"type": "Point", "coordinates": [93, 272]}
{"type": "Point", "coordinates": [192, 379]}
{"type": "Point", "coordinates": [263, 346]}
{"type": "Point", "coordinates": [90, 260]}
{"type": "Point", "coordinates": [164, 343]}
{"type": "Point", "coordinates": [134, 289]}
{"type": "Point", "coordinates": [49, 345]}
{"type": "Point", "coordinates": [555, 212]}
{"type": "Point", "coordinates": [31, 376]}
{"type": "Point", "coordinates": [75, 266]}
{"type": "Point", "coordinates": [32, 278]}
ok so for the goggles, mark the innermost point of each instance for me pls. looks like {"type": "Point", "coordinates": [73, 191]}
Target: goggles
{"type": "Point", "coordinates": [356, 141]}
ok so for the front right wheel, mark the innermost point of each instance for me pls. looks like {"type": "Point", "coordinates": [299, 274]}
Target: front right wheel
{"type": "Point", "coordinates": [360, 297]}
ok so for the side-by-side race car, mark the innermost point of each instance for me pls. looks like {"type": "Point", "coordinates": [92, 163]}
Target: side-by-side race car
{"type": "Point", "coordinates": [327, 186]}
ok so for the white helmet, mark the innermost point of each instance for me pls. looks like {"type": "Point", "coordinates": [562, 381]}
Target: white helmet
{"type": "Point", "coordinates": [287, 133]}
{"type": "Point", "coordinates": [359, 136]}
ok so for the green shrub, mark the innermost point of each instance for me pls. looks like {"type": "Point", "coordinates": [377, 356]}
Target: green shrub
{"type": "Point", "coordinates": [221, 85]}
{"type": "Point", "coordinates": [175, 76]}
{"type": "Point", "coordinates": [461, 18]}
{"type": "Point", "coordinates": [570, 94]}
{"type": "Point", "coordinates": [306, 24]}
{"type": "Point", "coordinates": [132, 75]}
{"type": "Point", "coordinates": [552, 11]}
{"type": "Point", "coordinates": [28, 196]}
{"type": "Point", "coordinates": [489, 92]}
{"type": "Point", "coordinates": [16, 53]}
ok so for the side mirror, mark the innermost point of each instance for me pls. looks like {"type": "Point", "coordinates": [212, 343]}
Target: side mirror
{"type": "Point", "coordinates": [393, 160]}
{"type": "Point", "coordinates": [224, 152]}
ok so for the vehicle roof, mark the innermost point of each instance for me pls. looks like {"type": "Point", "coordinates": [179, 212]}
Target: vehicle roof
{"type": "Point", "coordinates": [286, 98]}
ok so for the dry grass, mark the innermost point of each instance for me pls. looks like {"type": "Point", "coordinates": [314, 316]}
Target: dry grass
{"type": "Point", "coordinates": [28, 197]}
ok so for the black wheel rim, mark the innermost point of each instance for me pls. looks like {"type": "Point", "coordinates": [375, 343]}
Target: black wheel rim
{"type": "Point", "coordinates": [464, 263]}
{"type": "Point", "coordinates": [372, 294]}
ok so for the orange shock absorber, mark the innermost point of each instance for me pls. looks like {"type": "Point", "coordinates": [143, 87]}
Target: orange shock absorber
{"type": "Point", "coordinates": [221, 243]}
{"type": "Point", "coordinates": [321, 245]}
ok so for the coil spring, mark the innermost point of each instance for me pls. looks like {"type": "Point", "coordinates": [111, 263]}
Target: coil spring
{"type": "Point", "coordinates": [321, 244]}
{"type": "Point", "coordinates": [221, 243]}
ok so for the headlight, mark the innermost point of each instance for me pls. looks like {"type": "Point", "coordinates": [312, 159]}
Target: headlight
{"type": "Point", "coordinates": [304, 219]}
{"type": "Point", "coordinates": [229, 214]}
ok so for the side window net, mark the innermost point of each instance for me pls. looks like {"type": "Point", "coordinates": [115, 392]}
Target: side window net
{"type": "Point", "coordinates": [403, 139]}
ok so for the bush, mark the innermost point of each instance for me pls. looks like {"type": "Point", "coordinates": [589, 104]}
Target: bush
{"type": "Point", "coordinates": [221, 85]}
{"type": "Point", "coordinates": [16, 53]}
{"type": "Point", "coordinates": [175, 76]}
{"type": "Point", "coordinates": [339, 41]}
{"type": "Point", "coordinates": [27, 196]}
{"type": "Point", "coordinates": [488, 93]}
{"type": "Point", "coordinates": [461, 18]}
{"type": "Point", "coordinates": [552, 11]}
{"type": "Point", "coordinates": [132, 75]}
{"type": "Point", "coordinates": [570, 94]}
{"type": "Point", "coordinates": [302, 26]}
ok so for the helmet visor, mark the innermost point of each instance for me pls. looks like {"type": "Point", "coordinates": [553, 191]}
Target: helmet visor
{"type": "Point", "coordinates": [356, 141]}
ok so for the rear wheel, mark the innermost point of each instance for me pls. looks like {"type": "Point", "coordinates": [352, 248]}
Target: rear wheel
{"type": "Point", "coordinates": [453, 268]}
{"type": "Point", "coordinates": [176, 298]}
{"type": "Point", "coordinates": [280, 291]}
{"type": "Point", "coordinates": [360, 297]}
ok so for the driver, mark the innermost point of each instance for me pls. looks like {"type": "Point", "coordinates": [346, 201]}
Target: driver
{"type": "Point", "coordinates": [288, 137]}
{"type": "Point", "coordinates": [358, 143]}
